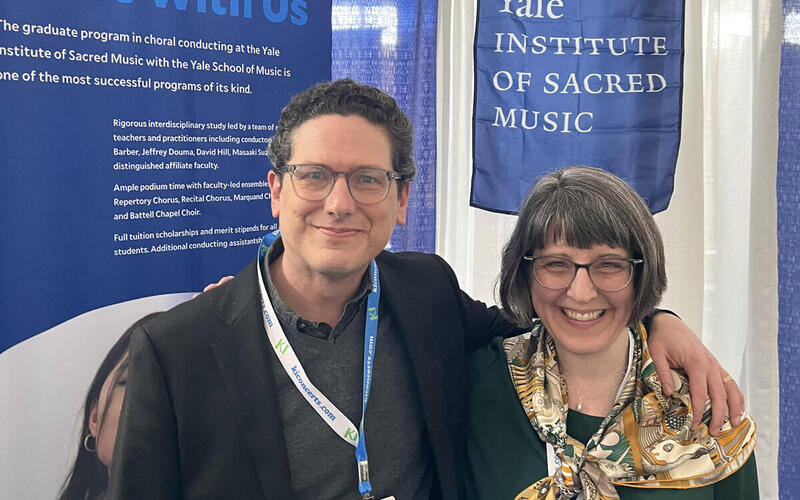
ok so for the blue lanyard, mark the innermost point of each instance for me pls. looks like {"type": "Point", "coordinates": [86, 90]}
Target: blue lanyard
{"type": "Point", "coordinates": [370, 342]}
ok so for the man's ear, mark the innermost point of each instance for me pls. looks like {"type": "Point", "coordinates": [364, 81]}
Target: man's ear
{"type": "Point", "coordinates": [402, 203]}
{"type": "Point", "coordinates": [94, 422]}
{"type": "Point", "coordinates": [274, 181]}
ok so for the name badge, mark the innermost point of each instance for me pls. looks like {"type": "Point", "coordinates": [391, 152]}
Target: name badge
{"type": "Point", "coordinates": [553, 462]}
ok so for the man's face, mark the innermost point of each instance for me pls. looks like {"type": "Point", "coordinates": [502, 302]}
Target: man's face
{"type": "Point", "coordinates": [336, 237]}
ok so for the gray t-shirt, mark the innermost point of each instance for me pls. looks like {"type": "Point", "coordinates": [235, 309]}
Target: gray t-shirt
{"type": "Point", "coordinates": [321, 464]}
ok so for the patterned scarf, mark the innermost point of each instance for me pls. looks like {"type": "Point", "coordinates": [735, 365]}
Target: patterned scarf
{"type": "Point", "coordinates": [645, 440]}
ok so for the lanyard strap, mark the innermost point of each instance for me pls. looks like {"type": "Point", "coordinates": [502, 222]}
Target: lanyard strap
{"type": "Point", "coordinates": [335, 419]}
{"type": "Point", "coordinates": [370, 339]}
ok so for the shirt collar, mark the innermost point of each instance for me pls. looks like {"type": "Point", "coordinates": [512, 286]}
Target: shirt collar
{"type": "Point", "coordinates": [291, 319]}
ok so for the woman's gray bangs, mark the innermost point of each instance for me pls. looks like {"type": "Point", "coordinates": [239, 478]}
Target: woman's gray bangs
{"type": "Point", "coordinates": [579, 220]}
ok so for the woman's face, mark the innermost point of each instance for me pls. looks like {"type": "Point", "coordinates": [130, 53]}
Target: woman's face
{"type": "Point", "coordinates": [104, 416]}
{"type": "Point", "coordinates": [582, 319]}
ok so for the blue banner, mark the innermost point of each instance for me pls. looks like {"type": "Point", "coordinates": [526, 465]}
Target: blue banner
{"type": "Point", "coordinates": [788, 194]}
{"type": "Point", "coordinates": [133, 144]}
{"type": "Point", "coordinates": [572, 82]}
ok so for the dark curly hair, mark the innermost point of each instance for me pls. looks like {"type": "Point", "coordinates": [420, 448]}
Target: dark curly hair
{"type": "Point", "coordinates": [346, 97]}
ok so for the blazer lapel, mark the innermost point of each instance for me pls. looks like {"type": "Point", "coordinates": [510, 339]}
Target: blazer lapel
{"type": "Point", "coordinates": [244, 366]}
{"type": "Point", "coordinates": [415, 322]}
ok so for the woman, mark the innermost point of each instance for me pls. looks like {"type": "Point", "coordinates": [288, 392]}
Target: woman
{"type": "Point", "coordinates": [89, 475]}
{"type": "Point", "coordinates": [574, 407]}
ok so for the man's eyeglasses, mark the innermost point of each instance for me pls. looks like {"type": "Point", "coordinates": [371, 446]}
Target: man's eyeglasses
{"type": "Point", "coordinates": [315, 182]}
{"type": "Point", "coordinates": [608, 275]}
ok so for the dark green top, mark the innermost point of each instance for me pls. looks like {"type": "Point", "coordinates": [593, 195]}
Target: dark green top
{"type": "Point", "coordinates": [505, 455]}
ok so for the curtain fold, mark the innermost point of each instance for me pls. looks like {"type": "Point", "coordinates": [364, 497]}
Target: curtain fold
{"type": "Point", "coordinates": [789, 249]}
{"type": "Point", "coordinates": [740, 303]}
{"type": "Point", "coordinates": [391, 44]}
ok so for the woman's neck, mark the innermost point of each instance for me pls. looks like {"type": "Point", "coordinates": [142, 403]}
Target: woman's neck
{"type": "Point", "coordinates": [593, 380]}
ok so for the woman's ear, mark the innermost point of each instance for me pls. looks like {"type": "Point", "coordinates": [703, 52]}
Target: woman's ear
{"type": "Point", "coordinates": [94, 422]}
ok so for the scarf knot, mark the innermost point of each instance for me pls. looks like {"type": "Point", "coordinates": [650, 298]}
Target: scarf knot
{"type": "Point", "coordinates": [644, 441]}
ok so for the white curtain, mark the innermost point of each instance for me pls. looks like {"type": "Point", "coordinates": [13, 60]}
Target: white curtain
{"type": "Point", "coordinates": [741, 62]}
{"type": "Point", "coordinates": [720, 228]}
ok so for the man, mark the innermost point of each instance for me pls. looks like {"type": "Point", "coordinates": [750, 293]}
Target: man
{"type": "Point", "coordinates": [257, 389]}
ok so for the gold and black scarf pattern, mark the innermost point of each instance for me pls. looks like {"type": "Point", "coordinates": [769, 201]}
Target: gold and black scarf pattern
{"type": "Point", "coordinates": [645, 441]}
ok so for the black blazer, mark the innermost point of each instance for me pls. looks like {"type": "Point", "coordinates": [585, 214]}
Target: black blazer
{"type": "Point", "coordinates": [201, 418]}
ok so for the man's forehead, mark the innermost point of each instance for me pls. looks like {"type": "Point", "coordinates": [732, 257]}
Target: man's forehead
{"type": "Point", "coordinates": [312, 120]}
{"type": "Point", "coordinates": [335, 133]}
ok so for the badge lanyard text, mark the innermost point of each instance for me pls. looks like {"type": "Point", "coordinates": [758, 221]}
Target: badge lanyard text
{"type": "Point", "coordinates": [335, 419]}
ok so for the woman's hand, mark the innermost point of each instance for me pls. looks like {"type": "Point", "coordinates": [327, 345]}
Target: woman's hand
{"type": "Point", "coordinates": [673, 345]}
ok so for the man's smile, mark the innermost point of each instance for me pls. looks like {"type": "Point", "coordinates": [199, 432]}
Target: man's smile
{"type": "Point", "coordinates": [337, 232]}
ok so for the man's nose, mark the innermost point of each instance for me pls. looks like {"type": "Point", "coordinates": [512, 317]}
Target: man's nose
{"type": "Point", "coordinates": [340, 202]}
